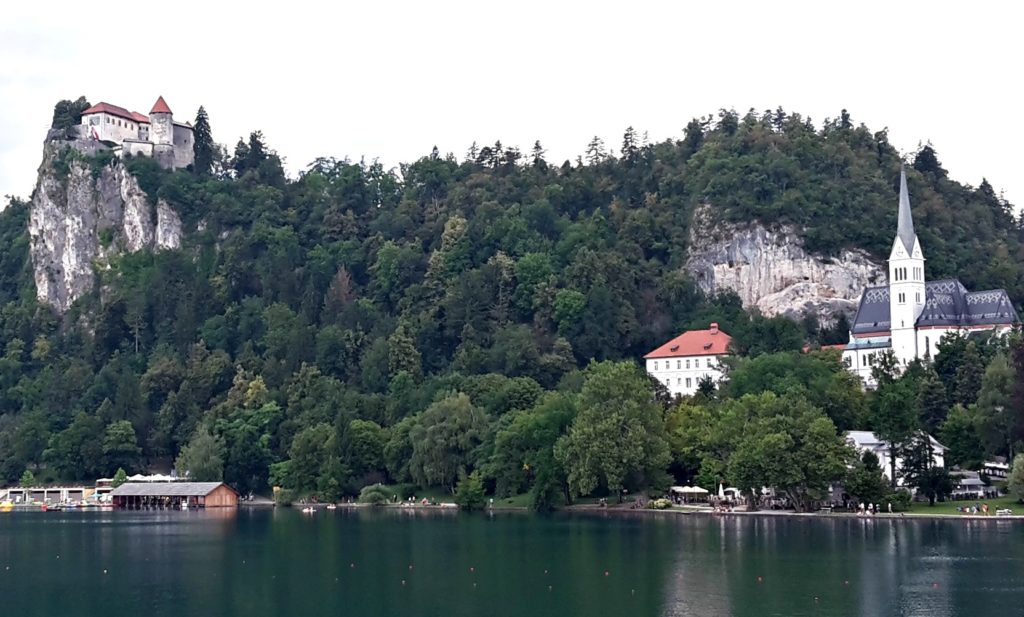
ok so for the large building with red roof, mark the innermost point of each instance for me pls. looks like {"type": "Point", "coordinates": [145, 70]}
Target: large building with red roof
{"type": "Point", "coordinates": [684, 361]}
{"type": "Point", "coordinates": [130, 132]}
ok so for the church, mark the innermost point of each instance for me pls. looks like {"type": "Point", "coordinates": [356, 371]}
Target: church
{"type": "Point", "coordinates": [910, 315]}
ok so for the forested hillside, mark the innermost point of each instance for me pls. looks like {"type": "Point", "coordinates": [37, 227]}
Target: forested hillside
{"type": "Point", "coordinates": [358, 323]}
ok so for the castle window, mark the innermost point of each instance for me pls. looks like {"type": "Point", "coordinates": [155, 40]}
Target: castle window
{"type": "Point", "coordinates": [679, 364]}
{"type": "Point", "coordinates": [687, 363]}
{"type": "Point", "coordinates": [687, 382]}
{"type": "Point", "coordinates": [679, 381]}
{"type": "Point", "coordinates": [709, 362]}
{"type": "Point", "coordinates": [655, 365]}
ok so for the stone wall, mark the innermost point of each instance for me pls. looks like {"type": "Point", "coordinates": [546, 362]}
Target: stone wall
{"type": "Point", "coordinates": [770, 270]}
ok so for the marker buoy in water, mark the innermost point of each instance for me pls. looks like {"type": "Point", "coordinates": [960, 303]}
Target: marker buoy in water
{"type": "Point", "coordinates": [760, 579]}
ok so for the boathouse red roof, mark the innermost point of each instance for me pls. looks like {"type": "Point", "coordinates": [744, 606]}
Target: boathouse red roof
{"type": "Point", "coordinates": [710, 342]}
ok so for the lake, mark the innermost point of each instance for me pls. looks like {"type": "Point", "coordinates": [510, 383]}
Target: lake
{"type": "Point", "coordinates": [257, 562]}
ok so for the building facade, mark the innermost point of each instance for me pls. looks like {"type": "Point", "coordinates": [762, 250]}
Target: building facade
{"type": "Point", "coordinates": [910, 315]}
{"type": "Point", "coordinates": [684, 361]}
{"type": "Point", "coordinates": [866, 441]}
{"type": "Point", "coordinates": [157, 135]}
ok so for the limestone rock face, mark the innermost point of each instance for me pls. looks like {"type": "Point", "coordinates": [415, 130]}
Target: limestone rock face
{"type": "Point", "coordinates": [82, 217]}
{"type": "Point", "coordinates": [770, 270]}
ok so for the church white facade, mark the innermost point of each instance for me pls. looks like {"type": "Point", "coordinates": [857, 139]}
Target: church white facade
{"type": "Point", "coordinates": [910, 315]}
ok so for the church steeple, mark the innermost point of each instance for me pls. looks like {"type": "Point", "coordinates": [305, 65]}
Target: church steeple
{"type": "Point", "coordinates": [905, 226]}
{"type": "Point", "coordinates": [907, 289]}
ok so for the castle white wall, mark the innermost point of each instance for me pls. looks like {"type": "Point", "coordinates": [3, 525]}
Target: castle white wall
{"type": "Point", "coordinates": [682, 375]}
{"type": "Point", "coordinates": [184, 152]}
{"type": "Point", "coordinates": [161, 129]}
{"type": "Point", "coordinates": [136, 147]}
{"type": "Point", "coordinates": [110, 128]}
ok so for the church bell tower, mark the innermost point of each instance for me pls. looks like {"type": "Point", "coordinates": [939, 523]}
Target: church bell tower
{"type": "Point", "coordinates": [906, 281]}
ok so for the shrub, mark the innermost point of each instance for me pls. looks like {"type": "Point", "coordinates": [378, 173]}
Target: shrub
{"type": "Point", "coordinates": [900, 501]}
{"type": "Point", "coordinates": [375, 495]}
{"type": "Point", "coordinates": [469, 494]}
{"type": "Point", "coordinates": [659, 504]}
{"type": "Point", "coordinates": [284, 497]}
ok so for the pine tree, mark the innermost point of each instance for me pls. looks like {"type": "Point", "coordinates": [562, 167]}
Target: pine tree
{"type": "Point", "coordinates": [203, 146]}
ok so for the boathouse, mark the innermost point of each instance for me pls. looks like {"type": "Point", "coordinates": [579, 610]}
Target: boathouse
{"type": "Point", "coordinates": [173, 495]}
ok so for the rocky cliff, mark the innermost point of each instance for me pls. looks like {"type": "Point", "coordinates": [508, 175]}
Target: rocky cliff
{"type": "Point", "coordinates": [771, 271]}
{"type": "Point", "coordinates": [84, 213]}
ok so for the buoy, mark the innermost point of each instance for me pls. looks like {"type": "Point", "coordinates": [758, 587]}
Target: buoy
{"type": "Point", "coordinates": [760, 579]}
{"type": "Point", "coordinates": [606, 573]}
{"type": "Point", "coordinates": [935, 585]}
{"type": "Point", "coordinates": [545, 571]}
{"type": "Point", "coordinates": [410, 566]}
{"type": "Point", "coordinates": [104, 571]}
{"type": "Point", "coordinates": [351, 565]}
{"type": "Point", "coordinates": [549, 587]}
{"type": "Point", "coordinates": [472, 569]}
{"type": "Point", "coordinates": [846, 582]}
{"type": "Point", "coordinates": [815, 599]}
{"type": "Point", "coordinates": [474, 585]}
{"type": "Point", "coordinates": [403, 581]}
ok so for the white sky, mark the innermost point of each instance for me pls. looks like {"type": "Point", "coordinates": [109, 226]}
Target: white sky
{"type": "Point", "coordinates": [392, 79]}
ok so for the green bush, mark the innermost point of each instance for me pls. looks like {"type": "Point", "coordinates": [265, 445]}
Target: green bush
{"type": "Point", "coordinates": [469, 494]}
{"type": "Point", "coordinates": [659, 504]}
{"type": "Point", "coordinates": [900, 501]}
{"type": "Point", "coordinates": [284, 497]}
{"type": "Point", "coordinates": [375, 495]}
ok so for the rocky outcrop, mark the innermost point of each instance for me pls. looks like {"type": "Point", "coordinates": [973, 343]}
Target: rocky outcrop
{"type": "Point", "coordinates": [770, 270]}
{"type": "Point", "coordinates": [82, 215]}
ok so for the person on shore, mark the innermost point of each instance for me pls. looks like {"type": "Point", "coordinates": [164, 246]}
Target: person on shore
{"type": "Point", "coordinates": [890, 507]}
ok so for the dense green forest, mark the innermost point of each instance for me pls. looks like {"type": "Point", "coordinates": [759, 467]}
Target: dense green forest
{"type": "Point", "coordinates": [469, 316]}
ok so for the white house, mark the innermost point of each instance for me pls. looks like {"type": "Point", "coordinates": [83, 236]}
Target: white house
{"type": "Point", "coordinates": [682, 362]}
{"type": "Point", "coordinates": [910, 315]}
{"type": "Point", "coordinates": [157, 135]}
{"type": "Point", "coordinates": [866, 441]}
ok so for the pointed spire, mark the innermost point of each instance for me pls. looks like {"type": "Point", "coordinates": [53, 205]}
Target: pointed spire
{"type": "Point", "coordinates": [160, 107]}
{"type": "Point", "coordinates": [905, 226]}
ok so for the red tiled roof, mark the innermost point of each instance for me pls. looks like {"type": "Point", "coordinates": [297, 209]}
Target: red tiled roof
{"type": "Point", "coordinates": [839, 346]}
{"type": "Point", "coordinates": [694, 343]}
{"type": "Point", "coordinates": [160, 107]}
{"type": "Point", "coordinates": [114, 110]}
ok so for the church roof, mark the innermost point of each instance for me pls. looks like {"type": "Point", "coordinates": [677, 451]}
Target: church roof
{"type": "Point", "coordinates": [160, 107]}
{"type": "Point", "coordinates": [905, 224]}
{"type": "Point", "coordinates": [710, 342]}
{"type": "Point", "coordinates": [947, 303]}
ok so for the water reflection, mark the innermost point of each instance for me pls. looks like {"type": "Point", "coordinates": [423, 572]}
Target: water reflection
{"type": "Point", "coordinates": [416, 562]}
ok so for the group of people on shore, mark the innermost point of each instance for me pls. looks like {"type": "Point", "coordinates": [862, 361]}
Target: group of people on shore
{"type": "Point", "coordinates": [871, 509]}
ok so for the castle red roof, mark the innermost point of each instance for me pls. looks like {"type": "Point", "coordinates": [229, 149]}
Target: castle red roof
{"type": "Point", "coordinates": [160, 107]}
{"type": "Point", "coordinates": [113, 110]}
{"type": "Point", "coordinates": [710, 342]}
{"type": "Point", "coordinates": [142, 118]}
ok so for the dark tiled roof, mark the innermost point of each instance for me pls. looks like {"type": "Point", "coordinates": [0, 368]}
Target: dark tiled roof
{"type": "Point", "coordinates": [165, 489]}
{"type": "Point", "coordinates": [947, 303]}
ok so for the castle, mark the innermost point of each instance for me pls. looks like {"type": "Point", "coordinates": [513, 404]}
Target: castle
{"type": "Point", "coordinates": [910, 315]}
{"type": "Point", "coordinates": [156, 135]}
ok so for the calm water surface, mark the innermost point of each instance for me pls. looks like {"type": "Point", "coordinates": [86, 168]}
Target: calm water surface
{"type": "Point", "coordinates": [266, 562]}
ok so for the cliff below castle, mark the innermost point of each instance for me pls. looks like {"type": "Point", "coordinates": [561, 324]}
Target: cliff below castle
{"type": "Point", "coordinates": [86, 210]}
{"type": "Point", "coordinates": [771, 271]}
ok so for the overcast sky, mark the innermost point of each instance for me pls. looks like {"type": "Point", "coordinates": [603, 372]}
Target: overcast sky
{"type": "Point", "coordinates": [391, 79]}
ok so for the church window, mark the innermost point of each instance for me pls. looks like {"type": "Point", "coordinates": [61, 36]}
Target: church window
{"type": "Point", "coordinates": [917, 297]}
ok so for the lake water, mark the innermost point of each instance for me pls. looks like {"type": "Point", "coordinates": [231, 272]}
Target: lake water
{"type": "Point", "coordinates": [363, 563]}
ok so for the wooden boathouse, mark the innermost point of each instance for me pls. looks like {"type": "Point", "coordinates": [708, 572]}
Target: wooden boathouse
{"type": "Point", "coordinates": [173, 495]}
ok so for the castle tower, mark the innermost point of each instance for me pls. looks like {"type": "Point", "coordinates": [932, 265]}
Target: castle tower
{"type": "Point", "coordinates": [161, 123]}
{"type": "Point", "coordinates": [906, 281]}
